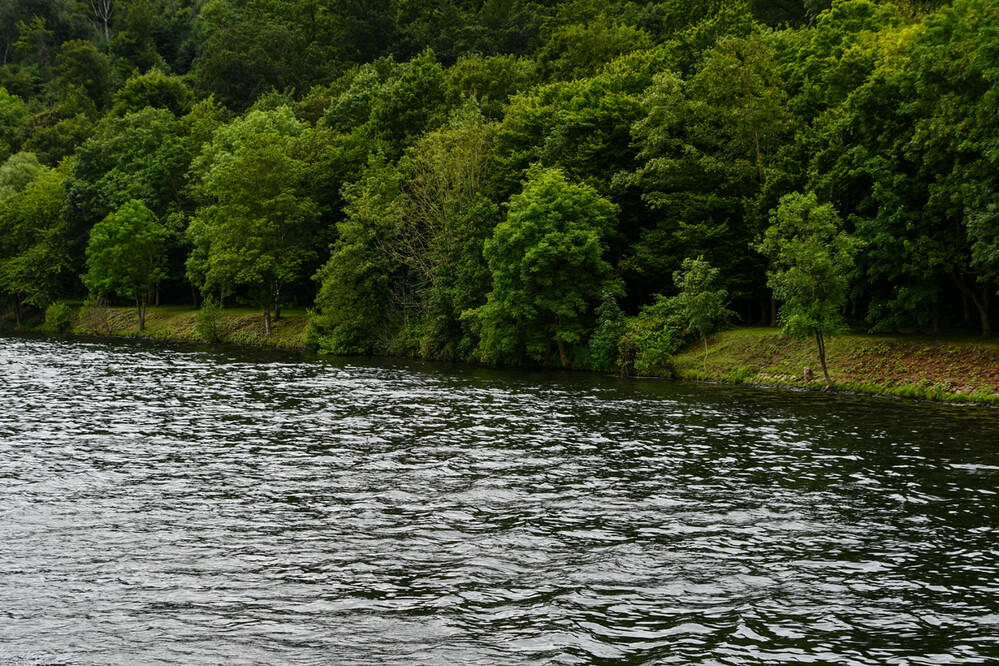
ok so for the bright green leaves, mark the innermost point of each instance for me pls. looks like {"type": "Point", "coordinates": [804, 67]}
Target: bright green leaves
{"type": "Point", "coordinates": [811, 261]}
{"type": "Point", "coordinates": [33, 255]}
{"type": "Point", "coordinates": [125, 255]}
{"type": "Point", "coordinates": [699, 302]}
{"type": "Point", "coordinates": [256, 234]}
{"type": "Point", "coordinates": [546, 261]}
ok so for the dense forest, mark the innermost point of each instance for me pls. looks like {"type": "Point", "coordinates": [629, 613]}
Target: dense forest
{"type": "Point", "coordinates": [574, 183]}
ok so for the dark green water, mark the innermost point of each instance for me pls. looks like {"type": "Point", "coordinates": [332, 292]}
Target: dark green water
{"type": "Point", "coordinates": [168, 504]}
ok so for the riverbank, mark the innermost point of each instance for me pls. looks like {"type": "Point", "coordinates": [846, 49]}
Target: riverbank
{"type": "Point", "coordinates": [908, 366]}
{"type": "Point", "coordinates": [240, 326]}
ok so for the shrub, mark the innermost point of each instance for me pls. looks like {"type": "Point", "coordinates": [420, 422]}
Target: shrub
{"type": "Point", "coordinates": [58, 317]}
{"type": "Point", "coordinates": [208, 320]}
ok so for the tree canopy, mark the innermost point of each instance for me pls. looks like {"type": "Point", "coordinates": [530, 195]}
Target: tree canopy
{"type": "Point", "coordinates": [523, 181]}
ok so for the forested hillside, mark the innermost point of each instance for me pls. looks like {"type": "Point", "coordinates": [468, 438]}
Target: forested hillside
{"type": "Point", "coordinates": [510, 181]}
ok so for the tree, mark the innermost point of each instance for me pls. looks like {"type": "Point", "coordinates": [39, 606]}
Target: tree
{"type": "Point", "coordinates": [154, 89]}
{"type": "Point", "coordinates": [125, 254]}
{"type": "Point", "coordinates": [546, 262]}
{"type": "Point", "coordinates": [357, 284]}
{"type": "Point", "coordinates": [19, 171]}
{"type": "Point", "coordinates": [811, 259]}
{"type": "Point", "coordinates": [33, 255]}
{"type": "Point", "coordinates": [257, 234]}
{"type": "Point", "coordinates": [699, 303]}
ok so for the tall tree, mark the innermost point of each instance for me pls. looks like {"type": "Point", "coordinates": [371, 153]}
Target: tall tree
{"type": "Point", "coordinates": [700, 303]}
{"type": "Point", "coordinates": [125, 255]}
{"type": "Point", "coordinates": [811, 262]}
{"type": "Point", "coordinates": [256, 234]}
{"type": "Point", "coordinates": [547, 266]}
{"type": "Point", "coordinates": [33, 252]}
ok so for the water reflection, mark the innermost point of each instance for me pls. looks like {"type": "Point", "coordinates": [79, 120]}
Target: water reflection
{"type": "Point", "coordinates": [166, 504]}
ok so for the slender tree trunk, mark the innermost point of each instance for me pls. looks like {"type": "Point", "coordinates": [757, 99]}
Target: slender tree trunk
{"type": "Point", "coordinates": [986, 312]}
{"type": "Point", "coordinates": [981, 303]}
{"type": "Point", "coordinates": [140, 304]}
{"type": "Point", "coordinates": [548, 346]}
{"type": "Point", "coordinates": [18, 313]}
{"type": "Point", "coordinates": [267, 319]}
{"type": "Point", "coordinates": [194, 297]}
{"type": "Point", "coordinates": [822, 358]}
{"type": "Point", "coordinates": [563, 356]}
{"type": "Point", "coordinates": [705, 352]}
{"type": "Point", "coordinates": [773, 312]}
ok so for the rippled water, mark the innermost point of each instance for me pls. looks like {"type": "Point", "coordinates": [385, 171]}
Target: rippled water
{"type": "Point", "coordinates": [168, 504]}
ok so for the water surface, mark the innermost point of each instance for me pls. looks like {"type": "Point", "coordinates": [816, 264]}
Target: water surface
{"type": "Point", "coordinates": [170, 504]}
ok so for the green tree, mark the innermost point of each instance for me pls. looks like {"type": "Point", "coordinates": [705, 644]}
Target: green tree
{"type": "Point", "coordinates": [700, 303]}
{"type": "Point", "coordinates": [154, 89]}
{"type": "Point", "coordinates": [19, 171]}
{"type": "Point", "coordinates": [359, 285]}
{"type": "Point", "coordinates": [80, 65]}
{"type": "Point", "coordinates": [256, 233]}
{"type": "Point", "coordinates": [125, 255]}
{"type": "Point", "coordinates": [811, 261]}
{"type": "Point", "coordinates": [546, 261]}
{"type": "Point", "coordinates": [13, 113]}
{"type": "Point", "coordinates": [33, 254]}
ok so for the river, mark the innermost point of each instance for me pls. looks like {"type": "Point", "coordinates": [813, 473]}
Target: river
{"type": "Point", "coordinates": [164, 504]}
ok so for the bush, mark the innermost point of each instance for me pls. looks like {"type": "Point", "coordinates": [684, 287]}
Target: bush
{"type": "Point", "coordinates": [649, 345]}
{"type": "Point", "coordinates": [208, 321]}
{"type": "Point", "coordinates": [58, 317]}
{"type": "Point", "coordinates": [651, 340]}
{"type": "Point", "coordinates": [611, 325]}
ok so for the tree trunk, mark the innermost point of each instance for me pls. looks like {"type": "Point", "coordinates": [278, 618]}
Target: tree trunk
{"type": "Point", "coordinates": [140, 304]}
{"type": "Point", "coordinates": [822, 358]}
{"type": "Point", "coordinates": [982, 304]}
{"type": "Point", "coordinates": [563, 356]}
{"type": "Point", "coordinates": [18, 312]}
{"type": "Point", "coordinates": [548, 346]}
{"type": "Point", "coordinates": [705, 352]}
{"type": "Point", "coordinates": [986, 312]}
{"type": "Point", "coordinates": [773, 312]}
{"type": "Point", "coordinates": [267, 319]}
{"type": "Point", "coordinates": [194, 296]}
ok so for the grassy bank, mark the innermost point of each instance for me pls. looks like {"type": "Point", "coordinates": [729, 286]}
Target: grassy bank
{"type": "Point", "coordinates": [949, 369]}
{"type": "Point", "coordinates": [959, 369]}
{"type": "Point", "coordinates": [241, 326]}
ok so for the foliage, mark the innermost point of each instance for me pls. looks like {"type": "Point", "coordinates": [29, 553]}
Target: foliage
{"type": "Point", "coordinates": [699, 304]}
{"type": "Point", "coordinates": [33, 247]}
{"type": "Point", "coordinates": [208, 320]}
{"type": "Point", "coordinates": [466, 179]}
{"type": "Point", "coordinates": [125, 255]}
{"type": "Point", "coordinates": [611, 325]}
{"type": "Point", "coordinates": [58, 316]}
{"type": "Point", "coordinates": [254, 234]}
{"type": "Point", "coordinates": [811, 262]}
{"type": "Point", "coordinates": [546, 262]}
{"type": "Point", "coordinates": [651, 340]}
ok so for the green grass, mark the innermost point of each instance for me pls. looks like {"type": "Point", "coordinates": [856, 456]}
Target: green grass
{"type": "Point", "coordinates": [244, 326]}
{"type": "Point", "coordinates": [911, 366]}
